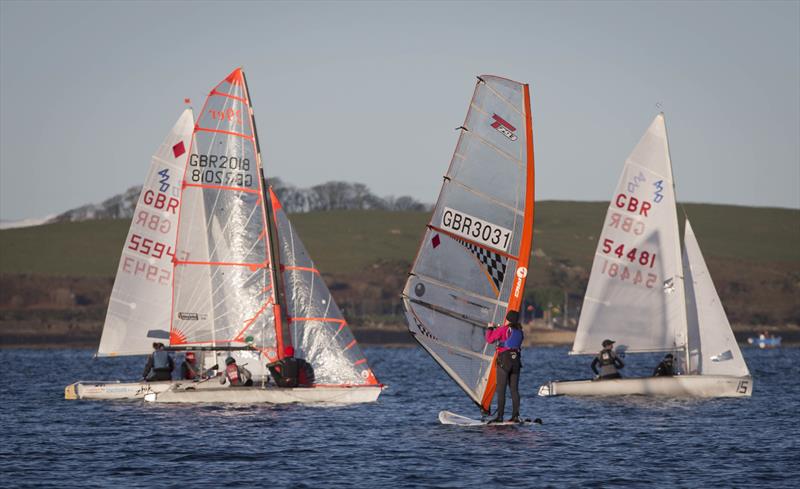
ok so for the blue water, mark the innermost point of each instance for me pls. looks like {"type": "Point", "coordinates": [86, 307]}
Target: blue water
{"type": "Point", "coordinates": [398, 442]}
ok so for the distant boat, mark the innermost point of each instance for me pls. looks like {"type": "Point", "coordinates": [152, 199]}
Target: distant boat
{"type": "Point", "coordinates": [646, 296]}
{"type": "Point", "coordinates": [765, 340]}
{"type": "Point", "coordinates": [243, 284]}
{"type": "Point", "coordinates": [472, 263]}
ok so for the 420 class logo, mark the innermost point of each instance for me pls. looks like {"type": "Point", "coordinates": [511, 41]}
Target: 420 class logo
{"type": "Point", "coordinates": [503, 127]}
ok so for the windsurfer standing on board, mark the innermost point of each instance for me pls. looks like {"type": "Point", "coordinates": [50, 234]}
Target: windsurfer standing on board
{"type": "Point", "coordinates": [509, 364]}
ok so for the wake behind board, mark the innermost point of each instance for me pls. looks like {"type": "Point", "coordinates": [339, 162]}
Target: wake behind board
{"type": "Point", "coordinates": [446, 417]}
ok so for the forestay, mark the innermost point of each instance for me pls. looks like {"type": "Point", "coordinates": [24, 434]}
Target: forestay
{"type": "Point", "coordinates": [222, 292]}
{"type": "Point", "coordinates": [635, 294]}
{"type": "Point", "coordinates": [712, 346]}
{"type": "Point", "coordinates": [139, 307]}
{"type": "Point", "coordinates": [472, 263]}
{"type": "Point", "coordinates": [319, 332]}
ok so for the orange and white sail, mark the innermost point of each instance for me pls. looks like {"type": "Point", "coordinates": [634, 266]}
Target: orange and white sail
{"type": "Point", "coordinates": [242, 276]}
{"type": "Point", "coordinates": [473, 261]}
{"type": "Point", "coordinates": [139, 307]}
{"type": "Point", "coordinates": [223, 292]}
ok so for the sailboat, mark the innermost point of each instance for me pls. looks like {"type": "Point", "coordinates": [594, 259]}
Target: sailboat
{"type": "Point", "coordinates": [649, 297]}
{"type": "Point", "coordinates": [139, 305]}
{"type": "Point", "coordinates": [472, 264]}
{"type": "Point", "coordinates": [243, 284]}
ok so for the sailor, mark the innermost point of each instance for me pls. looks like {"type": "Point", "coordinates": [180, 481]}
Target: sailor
{"type": "Point", "coordinates": [609, 362]}
{"type": "Point", "coordinates": [291, 371]}
{"type": "Point", "coordinates": [159, 364]}
{"type": "Point", "coordinates": [236, 375]}
{"type": "Point", "coordinates": [189, 369]}
{"type": "Point", "coordinates": [665, 368]}
{"type": "Point", "coordinates": [509, 364]}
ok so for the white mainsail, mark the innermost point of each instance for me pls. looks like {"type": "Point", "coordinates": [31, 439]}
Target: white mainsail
{"type": "Point", "coordinates": [139, 307]}
{"type": "Point", "coordinates": [635, 294]}
{"type": "Point", "coordinates": [472, 264]}
{"type": "Point", "coordinates": [712, 346]}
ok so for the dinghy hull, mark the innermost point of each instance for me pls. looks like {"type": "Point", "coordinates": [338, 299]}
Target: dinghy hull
{"type": "Point", "coordinates": [269, 395]}
{"type": "Point", "coordinates": [113, 390]}
{"type": "Point", "coordinates": [677, 386]}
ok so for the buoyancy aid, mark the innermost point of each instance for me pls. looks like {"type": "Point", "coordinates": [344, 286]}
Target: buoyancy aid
{"type": "Point", "coordinates": [514, 339]}
{"type": "Point", "coordinates": [161, 360]}
{"type": "Point", "coordinates": [607, 366]}
{"type": "Point", "coordinates": [232, 372]}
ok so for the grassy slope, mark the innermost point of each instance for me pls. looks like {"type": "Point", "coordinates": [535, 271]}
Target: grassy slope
{"type": "Point", "coordinates": [349, 241]}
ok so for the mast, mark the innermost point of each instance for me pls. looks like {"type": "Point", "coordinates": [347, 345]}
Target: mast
{"type": "Point", "coordinates": [282, 332]}
{"type": "Point", "coordinates": [678, 252]}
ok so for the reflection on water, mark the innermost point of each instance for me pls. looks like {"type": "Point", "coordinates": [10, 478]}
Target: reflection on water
{"type": "Point", "coordinates": [397, 442]}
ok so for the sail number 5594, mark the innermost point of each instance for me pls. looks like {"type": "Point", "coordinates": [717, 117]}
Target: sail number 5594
{"type": "Point", "coordinates": [633, 255]}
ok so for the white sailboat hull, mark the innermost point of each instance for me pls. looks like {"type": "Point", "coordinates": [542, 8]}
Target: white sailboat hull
{"type": "Point", "coordinates": [268, 395]}
{"type": "Point", "coordinates": [677, 386]}
{"type": "Point", "coordinates": [108, 391]}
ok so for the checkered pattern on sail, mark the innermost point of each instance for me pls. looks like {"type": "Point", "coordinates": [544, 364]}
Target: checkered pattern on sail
{"type": "Point", "coordinates": [495, 263]}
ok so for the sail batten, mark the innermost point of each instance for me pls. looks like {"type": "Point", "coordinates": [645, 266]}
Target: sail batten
{"type": "Point", "coordinates": [472, 263]}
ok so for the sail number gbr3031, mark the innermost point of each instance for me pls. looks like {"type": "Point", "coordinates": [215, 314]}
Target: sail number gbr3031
{"type": "Point", "coordinates": [476, 229]}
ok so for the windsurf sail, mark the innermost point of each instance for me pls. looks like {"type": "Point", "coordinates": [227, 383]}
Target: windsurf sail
{"type": "Point", "coordinates": [139, 306]}
{"type": "Point", "coordinates": [635, 294]}
{"type": "Point", "coordinates": [713, 349]}
{"type": "Point", "coordinates": [223, 292]}
{"type": "Point", "coordinates": [473, 261]}
{"type": "Point", "coordinates": [319, 333]}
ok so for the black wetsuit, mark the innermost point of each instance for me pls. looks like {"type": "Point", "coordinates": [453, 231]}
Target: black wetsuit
{"type": "Point", "coordinates": [509, 364]}
{"type": "Point", "coordinates": [664, 369]}
{"type": "Point", "coordinates": [292, 372]}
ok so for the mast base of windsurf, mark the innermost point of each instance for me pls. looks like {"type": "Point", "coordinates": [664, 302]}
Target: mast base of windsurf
{"type": "Point", "coordinates": [677, 386]}
{"type": "Point", "coordinates": [450, 418]}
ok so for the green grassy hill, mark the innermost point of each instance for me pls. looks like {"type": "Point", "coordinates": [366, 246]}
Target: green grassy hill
{"type": "Point", "coordinates": [753, 253]}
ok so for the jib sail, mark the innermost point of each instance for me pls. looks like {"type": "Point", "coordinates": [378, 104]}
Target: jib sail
{"type": "Point", "coordinates": [473, 261]}
{"type": "Point", "coordinates": [139, 307]}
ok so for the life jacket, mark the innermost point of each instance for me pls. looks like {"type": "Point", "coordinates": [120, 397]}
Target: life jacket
{"type": "Point", "coordinates": [514, 339]}
{"type": "Point", "coordinates": [607, 366]}
{"type": "Point", "coordinates": [161, 360]}
{"type": "Point", "coordinates": [232, 372]}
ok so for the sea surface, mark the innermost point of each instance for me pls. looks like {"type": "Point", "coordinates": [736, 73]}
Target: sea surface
{"type": "Point", "coordinates": [398, 441]}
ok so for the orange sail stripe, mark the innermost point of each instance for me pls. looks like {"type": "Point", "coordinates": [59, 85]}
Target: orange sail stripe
{"type": "Point", "coordinates": [253, 319]}
{"type": "Point", "coordinates": [221, 263]}
{"type": "Point", "coordinates": [306, 269]}
{"type": "Point", "coordinates": [222, 187]}
{"type": "Point", "coordinates": [515, 300]}
{"type": "Point", "coordinates": [363, 360]}
{"type": "Point", "coordinates": [351, 345]}
{"type": "Point", "coordinates": [322, 320]}
{"type": "Point", "coordinates": [223, 94]}
{"type": "Point", "coordinates": [220, 131]}
{"type": "Point", "coordinates": [455, 236]}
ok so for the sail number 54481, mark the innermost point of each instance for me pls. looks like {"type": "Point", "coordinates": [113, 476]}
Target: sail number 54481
{"type": "Point", "coordinates": [476, 229]}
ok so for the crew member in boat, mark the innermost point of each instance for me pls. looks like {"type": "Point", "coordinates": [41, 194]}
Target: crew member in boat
{"type": "Point", "coordinates": [189, 368]}
{"type": "Point", "coordinates": [609, 362]}
{"type": "Point", "coordinates": [666, 368]}
{"type": "Point", "coordinates": [509, 364]}
{"type": "Point", "coordinates": [159, 364]}
{"type": "Point", "coordinates": [236, 375]}
{"type": "Point", "coordinates": [291, 371]}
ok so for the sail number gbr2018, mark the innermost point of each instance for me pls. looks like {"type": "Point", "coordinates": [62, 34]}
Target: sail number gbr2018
{"type": "Point", "coordinates": [219, 170]}
{"type": "Point", "coordinates": [476, 229]}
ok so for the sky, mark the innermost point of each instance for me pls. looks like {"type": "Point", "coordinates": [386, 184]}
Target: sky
{"type": "Point", "coordinates": [371, 92]}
